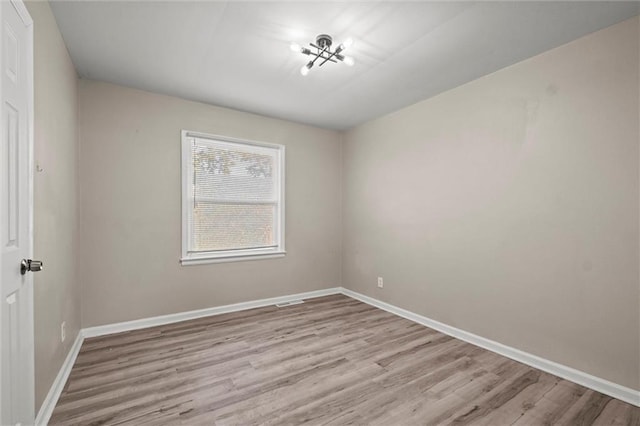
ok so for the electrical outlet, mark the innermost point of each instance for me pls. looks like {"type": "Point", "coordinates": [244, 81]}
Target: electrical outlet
{"type": "Point", "coordinates": [380, 282]}
{"type": "Point", "coordinates": [63, 331]}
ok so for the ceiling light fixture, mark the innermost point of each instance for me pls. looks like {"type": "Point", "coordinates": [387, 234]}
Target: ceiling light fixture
{"type": "Point", "coordinates": [322, 50]}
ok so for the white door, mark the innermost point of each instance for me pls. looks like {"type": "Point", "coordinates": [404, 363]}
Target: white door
{"type": "Point", "coordinates": [16, 238]}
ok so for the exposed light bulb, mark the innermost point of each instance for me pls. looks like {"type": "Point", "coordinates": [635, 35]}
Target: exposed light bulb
{"type": "Point", "coordinates": [348, 60]}
{"type": "Point", "coordinates": [347, 43]}
{"type": "Point", "coordinates": [295, 47]}
{"type": "Point", "coordinates": [305, 68]}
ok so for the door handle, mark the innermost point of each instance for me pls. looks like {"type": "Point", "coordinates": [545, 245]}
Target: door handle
{"type": "Point", "coordinates": [30, 265]}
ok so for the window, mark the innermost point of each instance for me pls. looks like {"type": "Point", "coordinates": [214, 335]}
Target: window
{"type": "Point", "coordinates": [232, 199]}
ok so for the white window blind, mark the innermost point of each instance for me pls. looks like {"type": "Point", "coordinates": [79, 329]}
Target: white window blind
{"type": "Point", "coordinates": [232, 198]}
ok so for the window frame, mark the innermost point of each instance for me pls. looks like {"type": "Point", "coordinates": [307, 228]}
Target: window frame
{"type": "Point", "coordinates": [186, 170]}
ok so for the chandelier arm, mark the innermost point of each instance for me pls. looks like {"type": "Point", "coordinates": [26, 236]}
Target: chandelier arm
{"type": "Point", "coordinates": [321, 55]}
{"type": "Point", "coordinates": [327, 60]}
{"type": "Point", "coordinates": [318, 55]}
{"type": "Point", "coordinates": [313, 61]}
{"type": "Point", "coordinates": [328, 57]}
{"type": "Point", "coordinates": [337, 52]}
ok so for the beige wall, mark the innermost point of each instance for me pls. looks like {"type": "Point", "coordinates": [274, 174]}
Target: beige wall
{"type": "Point", "coordinates": [130, 207]}
{"type": "Point", "coordinates": [57, 296]}
{"type": "Point", "coordinates": [508, 207]}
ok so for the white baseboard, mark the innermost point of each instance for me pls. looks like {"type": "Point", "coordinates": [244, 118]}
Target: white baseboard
{"type": "Point", "coordinates": [44, 414]}
{"type": "Point", "coordinates": [580, 377]}
{"type": "Point", "coordinates": [49, 403]}
{"type": "Point", "coordinates": [183, 316]}
{"type": "Point", "coordinates": [601, 385]}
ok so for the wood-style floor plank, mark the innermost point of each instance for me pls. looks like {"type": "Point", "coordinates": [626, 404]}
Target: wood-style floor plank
{"type": "Point", "coordinates": [330, 361]}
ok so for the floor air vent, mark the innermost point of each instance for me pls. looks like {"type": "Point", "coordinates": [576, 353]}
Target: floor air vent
{"type": "Point", "coordinates": [293, 302]}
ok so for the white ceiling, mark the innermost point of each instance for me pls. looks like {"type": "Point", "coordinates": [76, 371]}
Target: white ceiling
{"type": "Point", "coordinates": [236, 54]}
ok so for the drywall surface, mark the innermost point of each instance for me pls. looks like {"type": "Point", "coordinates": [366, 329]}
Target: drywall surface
{"type": "Point", "coordinates": [56, 290]}
{"type": "Point", "coordinates": [130, 207]}
{"type": "Point", "coordinates": [508, 207]}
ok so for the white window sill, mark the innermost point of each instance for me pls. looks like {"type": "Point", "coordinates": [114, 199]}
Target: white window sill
{"type": "Point", "coordinates": [201, 260]}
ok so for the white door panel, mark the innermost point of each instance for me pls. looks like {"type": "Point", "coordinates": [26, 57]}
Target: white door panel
{"type": "Point", "coordinates": [16, 289]}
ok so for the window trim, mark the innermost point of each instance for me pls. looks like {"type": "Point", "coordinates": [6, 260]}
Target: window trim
{"type": "Point", "coordinates": [186, 170]}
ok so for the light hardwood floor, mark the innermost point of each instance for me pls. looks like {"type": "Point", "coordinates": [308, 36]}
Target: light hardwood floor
{"type": "Point", "coordinates": [332, 360]}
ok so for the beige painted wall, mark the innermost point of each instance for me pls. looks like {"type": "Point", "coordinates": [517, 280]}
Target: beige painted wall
{"type": "Point", "coordinates": [57, 295]}
{"type": "Point", "coordinates": [130, 207]}
{"type": "Point", "coordinates": [508, 207]}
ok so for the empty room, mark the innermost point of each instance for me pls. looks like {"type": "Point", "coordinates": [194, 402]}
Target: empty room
{"type": "Point", "coordinates": [324, 213]}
